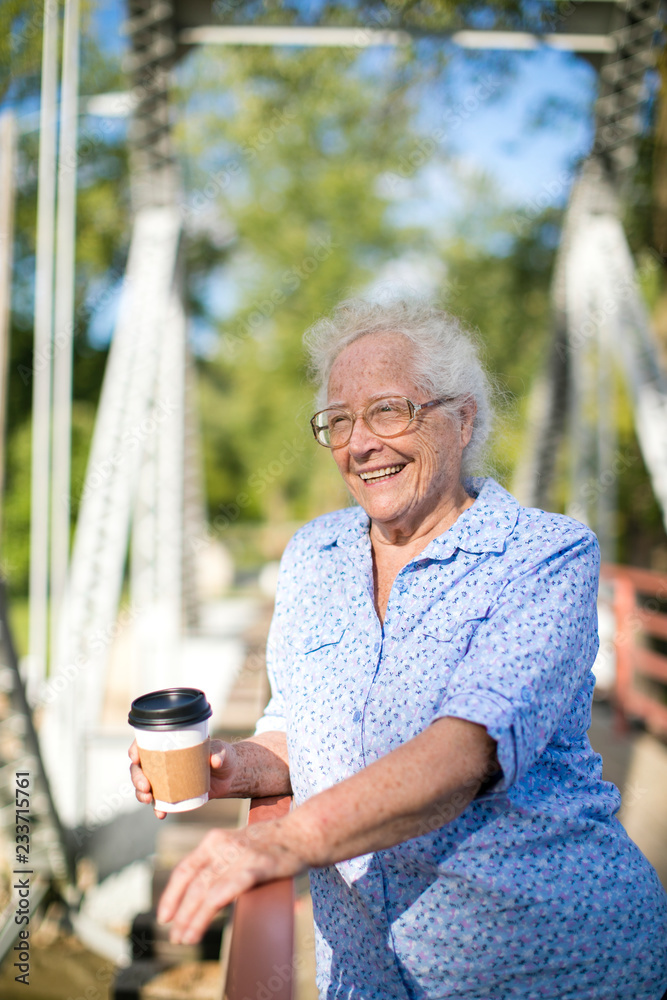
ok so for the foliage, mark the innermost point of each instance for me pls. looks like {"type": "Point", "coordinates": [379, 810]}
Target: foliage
{"type": "Point", "coordinates": [21, 26]}
{"type": "Point", "coordinates": [341, 133]}
{"type": "Point", "coordinates": [102, 236]}
{"type": "Point", "coordinates": [438, 15]}
{"type": "Point", "coordinates": [16, 508]}
{"type": "Point", "coordinates": [505, 297]}
{"type": "Point", "coordinates": [285, 158]}
{"type": "Point", "coordinates": [289, 165]}
{"type": "Point", "coordinates": [20, 43]}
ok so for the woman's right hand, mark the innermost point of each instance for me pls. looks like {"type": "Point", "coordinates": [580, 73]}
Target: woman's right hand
{"type": "Point", "coordinates": [222, 761]}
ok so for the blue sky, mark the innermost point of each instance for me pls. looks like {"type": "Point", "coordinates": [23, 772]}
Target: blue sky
{"type": "Point", "coordinates": [497, 136]}
{"type": "Point", "coordinates": [517, 138]}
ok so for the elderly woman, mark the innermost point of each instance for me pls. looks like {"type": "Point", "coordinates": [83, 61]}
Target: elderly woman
{"type": "Point", "coordinates": [430, 663]}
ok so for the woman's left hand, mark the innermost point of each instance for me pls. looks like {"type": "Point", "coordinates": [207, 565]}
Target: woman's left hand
{"type": "Point", "coordinates": [226, 863]}
{"type": "Point", "coordinates": [405, 794]}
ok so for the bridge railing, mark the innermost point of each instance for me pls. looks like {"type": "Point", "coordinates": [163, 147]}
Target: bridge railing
{"type": "Point", "coordinates": [639, 604]}
{"type": "Point", "coordinates": [260, 963]}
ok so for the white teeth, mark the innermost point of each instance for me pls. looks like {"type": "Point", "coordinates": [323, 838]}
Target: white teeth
{"type": "Point", "coordinates": [379, 473]}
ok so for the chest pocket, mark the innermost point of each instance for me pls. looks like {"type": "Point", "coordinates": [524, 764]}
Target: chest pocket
{"type": "Point", "coordinates": [444, 638]}
{"type": "Point", "coordinates": [448, 623]}
{"type": "Point", "coordinates": [310, 639]}
{"type": "Point", "coordinates": [318, 665]}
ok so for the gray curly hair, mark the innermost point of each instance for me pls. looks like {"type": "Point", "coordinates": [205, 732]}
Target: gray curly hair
{"type": "Point", "coordinates": [445, 361]}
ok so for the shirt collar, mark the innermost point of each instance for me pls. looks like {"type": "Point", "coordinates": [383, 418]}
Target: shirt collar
{"type": "Point", "coordinates": [483, 527]}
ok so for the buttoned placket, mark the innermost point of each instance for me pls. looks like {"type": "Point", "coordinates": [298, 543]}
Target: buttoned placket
{"type": "Point", "coordinates": [359, 565]}
{"type": "Point", "coordinates": [398, 589]}
{"type": "Point", "coordinates": [360, 559]}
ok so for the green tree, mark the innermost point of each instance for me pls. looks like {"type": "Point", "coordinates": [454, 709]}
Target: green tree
{"type": "Point", "coordinates": [102, 238]}
{"type": "Point", "coordinates": [283, 153]}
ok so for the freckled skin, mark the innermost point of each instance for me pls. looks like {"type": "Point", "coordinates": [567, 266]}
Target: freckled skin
{"type": "Point", "coordinates": [426, 497]}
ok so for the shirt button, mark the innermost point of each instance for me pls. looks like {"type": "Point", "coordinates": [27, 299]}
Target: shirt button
{"type": "Point", "coordinates": [376, 647]}
{"type": "Point", "coordinates": [356, 716]}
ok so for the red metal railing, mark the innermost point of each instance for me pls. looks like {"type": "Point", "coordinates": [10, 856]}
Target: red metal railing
{"type": "Point", "coordinates": [639, 595]}
{"type": "Point", "coordinates": [261, 952]}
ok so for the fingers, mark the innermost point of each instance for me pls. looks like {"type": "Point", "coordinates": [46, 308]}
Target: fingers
{"type": "Point", "coordinates": [142, 789]}
{"type": "Point", "coordinates": [225, 864]}
{"type": "Point", "coordinates": [184, 872]}
{"type": "Point", "coordinates": [202, 883]}
{"type": "Point", "coordinates": [202, 900]}
{"type": "Point", "coordinates": [142, 786]}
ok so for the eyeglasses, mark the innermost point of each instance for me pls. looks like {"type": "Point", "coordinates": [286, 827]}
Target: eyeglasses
{"type": "Point", "coordinates": [387, 417]}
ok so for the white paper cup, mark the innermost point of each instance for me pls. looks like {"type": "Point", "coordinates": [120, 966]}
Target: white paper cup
{"type": "Point", "coordinates": [174, 739]}
{"type": "Point", "coordinates": [155, 720]}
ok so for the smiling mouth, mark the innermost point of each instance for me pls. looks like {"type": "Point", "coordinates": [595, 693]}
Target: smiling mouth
{"type": "Point", "coordinates": [376, 474]}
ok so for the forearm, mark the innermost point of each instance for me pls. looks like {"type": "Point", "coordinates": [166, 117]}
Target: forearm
{"type": "Point", "coordinates": [261, 767]}
{"type": "Point", "coordinates": [418, 787]}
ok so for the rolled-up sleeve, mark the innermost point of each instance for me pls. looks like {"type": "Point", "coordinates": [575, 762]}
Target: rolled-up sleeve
{"type": "Point", "coordinates": [274, 717]}
{"type": "Point", "coordinates": [530, 657]}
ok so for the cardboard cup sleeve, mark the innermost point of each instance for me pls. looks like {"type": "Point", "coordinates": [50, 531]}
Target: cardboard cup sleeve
{"type": "Point", "coordinates": [176, 775]}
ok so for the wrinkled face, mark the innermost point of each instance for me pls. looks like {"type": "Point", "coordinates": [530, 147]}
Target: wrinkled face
{"type": "Point", "coordinates": [419, 471]}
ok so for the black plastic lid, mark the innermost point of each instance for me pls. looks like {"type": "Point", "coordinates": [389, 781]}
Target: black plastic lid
{"type": "Point", "coordinates": [169, 708]}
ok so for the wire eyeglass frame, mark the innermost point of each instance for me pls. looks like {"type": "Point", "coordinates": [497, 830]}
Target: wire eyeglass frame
{"type": "Point", "coordinates": [413, 410]}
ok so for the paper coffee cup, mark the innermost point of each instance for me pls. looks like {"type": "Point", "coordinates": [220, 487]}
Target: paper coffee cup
{"type": "Point", "coordinates": [171, 729]}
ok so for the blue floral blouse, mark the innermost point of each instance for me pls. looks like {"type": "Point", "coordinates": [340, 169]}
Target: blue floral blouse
{"type": "Point", "coordinates": [535, 890]}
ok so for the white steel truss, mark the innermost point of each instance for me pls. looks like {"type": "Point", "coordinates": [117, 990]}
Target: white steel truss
{"type": "Point", "coordinates": [128, 428]}
{"type": "Point", "coordinates": [601, 326]}
{"type": "Point", "coordinates": [608, 320]}
{"type": "Point", "coordinates": [157, 539]}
